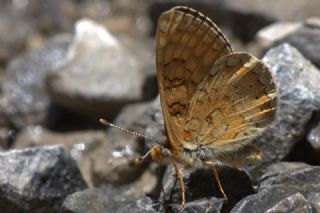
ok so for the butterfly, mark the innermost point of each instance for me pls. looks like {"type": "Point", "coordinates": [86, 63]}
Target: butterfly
{"type": "Point", "coordinates": [214, 101]}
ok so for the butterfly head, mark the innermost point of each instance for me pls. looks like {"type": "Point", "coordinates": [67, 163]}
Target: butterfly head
{"type": "Point", "coordinates": [161, 154]}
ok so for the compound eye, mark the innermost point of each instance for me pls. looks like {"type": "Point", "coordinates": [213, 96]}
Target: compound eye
{"type": "Point", "coordinates": [165, 153]}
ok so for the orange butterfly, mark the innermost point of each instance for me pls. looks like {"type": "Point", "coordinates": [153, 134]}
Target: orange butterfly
{"type": "Point", "coordinates": [214, 101]}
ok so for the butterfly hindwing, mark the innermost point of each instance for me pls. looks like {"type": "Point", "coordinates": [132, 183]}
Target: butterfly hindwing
{"type": "Point", "coordinates": [233, 103]}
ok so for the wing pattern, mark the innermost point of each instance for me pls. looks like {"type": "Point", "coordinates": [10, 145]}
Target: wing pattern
{"type": "Point", "coordinates": [233, 103]}
{"type": "Point", "coordinates": [210, 96]}
{"type": "Point", "coordinates": [188, 44]}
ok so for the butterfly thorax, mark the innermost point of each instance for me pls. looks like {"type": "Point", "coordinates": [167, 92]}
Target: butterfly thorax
{"type": "Point", "coordinates": [197, 156]}
{"type": "Point", "coordinates": [192, 157]}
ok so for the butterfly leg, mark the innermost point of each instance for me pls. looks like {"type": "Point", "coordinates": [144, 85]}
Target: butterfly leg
{"type": "Point", "coordinates": [216, 176]}
{"type": "Point", "coordinates": [174, 173]}
{"type": "Point", "coordinates": [179, 172]}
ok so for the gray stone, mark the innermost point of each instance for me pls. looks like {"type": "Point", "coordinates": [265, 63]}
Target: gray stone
{"type": "Point", "coordinates": [13, 39]}
{"type": "Point", "coordinates": [152, 121]}
{"type": "Point", "coordinates": [285, 187]}
{"type": "Point", "coordinates": [111, 199]}
{"type": "Point", "coordinates": [274, 199]}
{"type": "Point", "coordinates": [302, 35]}
{"type": "Point", "coordinates": [314, 137]}
{"type": "Point", "coordinates": [203, 205]}
{"type": "Point", "coordinates": [276, 10]}
{"type": "Point", "coordinates": [201, 187]}
{"type": "Point", "coordinates": [248, 17]}
{"type": "Point", "coordinates": [142, 205]}
{"type": "Point", "coordinates": [32, 136]}
{"type": "Point", "coordinates": [120, 149]}
{"type": "Point", "coordinates": [298, 90]}
{"type": "Point", "coordinates": [100, 78]}
{"type": "Point", "coordinates": [24, 99]}
{"type": "Point", "coordinates": [79, 144]}
{"type": "Point", "coordinates": [295, 203]}
{"type": "Point", "coordinates": [270, 36]}
{"type": "Point", "coordinates": [107, 200]}
{"type": "Point", "coordinates": [307, 40]}
{"type": "Point", "coordinates": [37, 179]}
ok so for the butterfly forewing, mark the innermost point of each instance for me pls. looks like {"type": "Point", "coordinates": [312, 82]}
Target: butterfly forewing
{"type": "Point", "coordinates": [188, 44]}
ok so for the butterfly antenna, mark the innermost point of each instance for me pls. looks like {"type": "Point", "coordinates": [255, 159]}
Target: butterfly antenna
{"type": "Point", "coordinates": [138, 160]}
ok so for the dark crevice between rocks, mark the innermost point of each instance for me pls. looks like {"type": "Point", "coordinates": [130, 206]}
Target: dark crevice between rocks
{"type": "Point", "coordinates": [61, 119]}
{"type": "Point", "coordinates": [246, 26]}
{"type": "Point", "coordinates": [150, 88]}
{"type": "Point", "coordinates": [201, 187]}
{"type": "Point", "coordinates": [302, 150]}
{"type": "Point", "coordinates": [158, 189]}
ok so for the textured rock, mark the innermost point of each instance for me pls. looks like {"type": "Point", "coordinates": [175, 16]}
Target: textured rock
{"type": "Point", "coordinates": [12, 39]}
{"type": "Point", "coordinates": [93, 150]}
{"type": "Point", "coordinates": [120, 149]}
{"type": "Point", "coordinates": [285, 187]}
{"type": "Point", "coordinates": [297, 80]}
{"type": "Point", "coordinates": [314, 138]}
{"type": "Point", "coordinates": [152, 121]}
{"type": "Point", "coordinates": [100, 77]}
{"type": "Point", "coordinates": [39, 136]}
{"type": "Point", "coordinates": [247, 16]}
{"type": "Point", "coordinates": [276, 10]}
{"type": "Point", "coordinates": [305, 36]}
{"type": "Point", "coordinates": [78, 143]}
{"type": "Point", "coordinates": [107, 200]}
{"type": "Point", "coordinates": [307, 40]}
{"type": "Point", "coordinates": [202, 205]}
{"type": "Point", "coordinates": [269, 36]}
{"type": "Point", "coordinates": [201, 187]}
{"type": "Point", "coordinates": [37, 179]}
{"type": "Point", "coordinates": [24, 99]}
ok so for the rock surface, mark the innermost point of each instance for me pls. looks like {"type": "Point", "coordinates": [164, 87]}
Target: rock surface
{"type": "Point", "coordinates": [78, 143]}
{"type": "Point", "coordinates": [24, 99]}
{"type": "Point", "coordinates": [106, 200]}
{"type": "Point", "coordinates": [37, 179]}
{"type": "Point", "coordinates": [201, 187]}
{"type": "Point", "coordinates": [314, 138]}
{"type": "Point", "coordinates": [13, 39]}
{"type": "Point", "coordinates": [247, 17]}
{"type": "Point", "coordinates": [297, 80]}
{"type": "Point", "coordinates": [119, 150]}
{"type": "Point", "coordinates": [100, 78]}
{"type": "Point", "coordinates": [302, 35]}
{"type": "Point", "coordinates": [62, 90]}
{"type": "Point", "coordinates": [285, 187]}
{"type": "Point", "coordinates": [270, 35]}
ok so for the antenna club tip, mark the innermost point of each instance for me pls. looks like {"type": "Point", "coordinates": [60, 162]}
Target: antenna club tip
{"type": "Point", "coordinates": [104, 122]}
{"type": "Point", "coordinates": [138, 160]}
